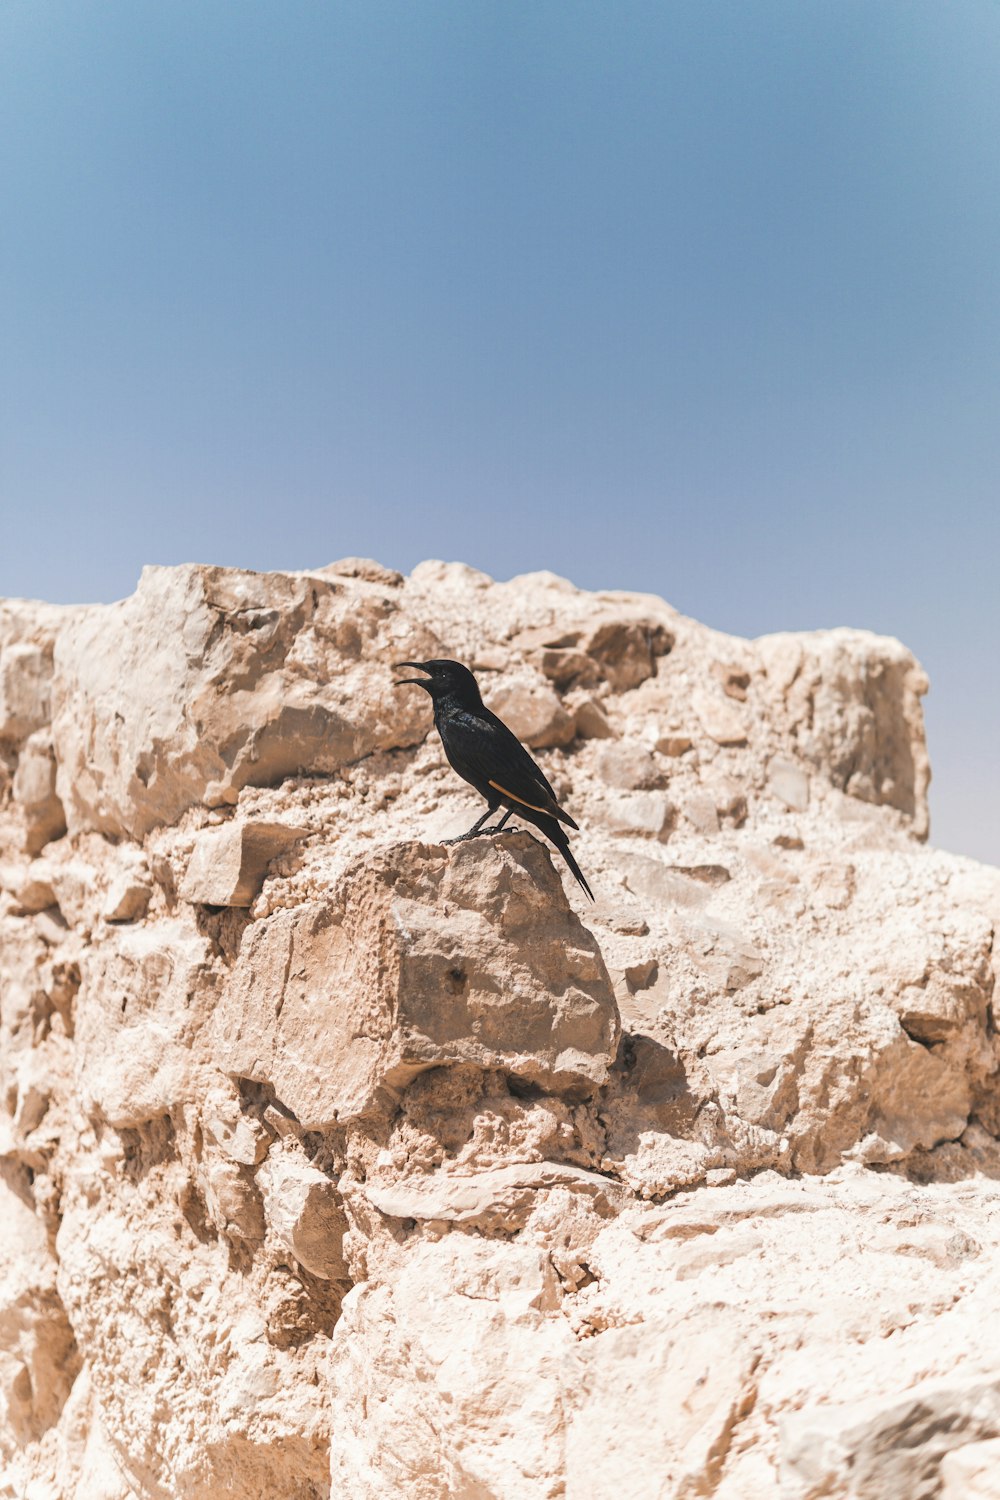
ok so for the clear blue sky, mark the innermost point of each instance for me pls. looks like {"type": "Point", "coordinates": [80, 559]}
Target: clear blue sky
{"type": "Point", "coordinates": [701, 298]}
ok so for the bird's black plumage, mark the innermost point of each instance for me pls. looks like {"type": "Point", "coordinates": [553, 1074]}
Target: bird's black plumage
{"type": "Point", "coordinates": [484, 752]}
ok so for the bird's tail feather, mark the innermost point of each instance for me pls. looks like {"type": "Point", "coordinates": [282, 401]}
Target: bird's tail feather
{"type": "Point", "coordinates": [562, 844]}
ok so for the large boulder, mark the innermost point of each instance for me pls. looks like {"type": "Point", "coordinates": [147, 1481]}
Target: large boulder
{"type": "Point", "coordinates": [207, 680]}
{"type": "Point", "coordinates": [421, 958]}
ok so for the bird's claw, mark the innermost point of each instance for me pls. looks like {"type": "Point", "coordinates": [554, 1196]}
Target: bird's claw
{"type": "Point", "coordinates": [477, 833]}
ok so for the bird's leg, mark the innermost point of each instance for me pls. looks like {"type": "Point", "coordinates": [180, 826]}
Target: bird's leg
{"type": "Point", "coordinates": [474, 831]}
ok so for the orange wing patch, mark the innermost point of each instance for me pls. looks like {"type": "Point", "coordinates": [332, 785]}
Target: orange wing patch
{"type": "Point", "coordinates": [498, 788]}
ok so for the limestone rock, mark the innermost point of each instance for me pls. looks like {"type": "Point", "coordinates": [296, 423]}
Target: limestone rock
{"type": "Point", "coordinates": [208, 680]}
{"type": "Point", "coordinates": [687, 1385]}
{"type": "Point", "coordinates": [853, 705]}
{"type": "Point", "coordinates": [239, 1135]}
{"type": "Point", "coordinates": [721, 720]}
{"type": "Point", "coordinates": [661, 884]}
{"type": "Point", "coordinates": [629, 767]}
{"type": "Point", "coordinates": [25, 683]}
{"type": "Point", "coordinates": [647, 814]}
{"type": "Point", "coordinates": [532, 711]}
{"type": "Point", "coordinates": [366, 568]}
{"type": "Point", "coordinates": [35, 792]}
{"type": "Point", "coordinates": [146, 992]}
{"type": "Point", "coordinates": [127, 899]}
{"type": "Point", "coordinates": [789, 783]}
{"type": "Point", "coordinates": [854, 1449]}
{"type": "Point", "coordinates": [485, 1426]}
{"type": "Point", "coordinates": [626, 649]}
{"type": "Point", "coordinates": [972, 1472]}
{"type": "Point", "coordinates": [619, 645]}
{"type": "Point", "coordinates": [228, 865]}
{"type": "Point", "coordinates": [421, 958]}
{"type": "Point", "coordinates": [373, 1167]}
{"type": "Point", "coordinates": [591, 722]}
{"type": "Point", "coordinates": [306, 1212]}
{"type": "Point", "coordinates": [32, 888]}
{"type": "Point", "coordinates": [38, 1354]}
{"type": "Point", "coordinates": [498, 1198]}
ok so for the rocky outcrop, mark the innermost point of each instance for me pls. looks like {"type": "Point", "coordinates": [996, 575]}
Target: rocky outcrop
{"type": "Point", "coordinates": [336, 1161]}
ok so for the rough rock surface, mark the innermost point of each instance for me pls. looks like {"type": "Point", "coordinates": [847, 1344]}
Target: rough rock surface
{"type": "Point", "coordinates": [338, 1162]}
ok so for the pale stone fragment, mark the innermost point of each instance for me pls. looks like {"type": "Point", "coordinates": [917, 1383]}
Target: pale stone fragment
{"type": "Point", "coordinates": [673, 744]}
{"type": "Point", "coordinates": [629, 767]}
{"type": "Point", "coordinates": [34, 891]}
{"type": "Point", "coordinates": [51, 926]}
{"type": "Point", "coordinates": [35, 792]}
{"type": "Point", "coordinates": [569, 668]}
{"type": "Point", "coordinates": [661, 884]}
{"type": "Point", "coordinates": [25, 689]}
{"type": "Point", "coordinates": [687, 1386]}
{"type": "Point", "coordinates": [592, 723]}
{"type": "Point", "coordinates": [306, 1212]}
{"type": "Point", "coordinates": [228, 865]}
{"type": "Point", "coordinates": [530, 708]}
{"type": "Point", "coordinates": [720, 718]}
{"type": "Point", "coordinates": [127, 899]}
{"type": "Point", "coordinates": [499, 1197]}
{"type": "Point", "coordinates": [146, 993]}
{"type": "Point", "coordinates": [76, 883]}
{"type": "Point", "coordinates": [365, 568]}
{"type": "Point", "coordinates": [700, 810]}
{"type": "Point", "coordinates": [852, 701]}
{"type": "Point", "coordinates": [649, 814]}
{"type": "Point", "coordinates": [789, 783]}
{"type": "Point", "coordinates": [627, 650]}
{"type": "Point", "coordinates": [38, 1354]}
{"type": "Point", "coordinates": [239, 1135]}
{"type": "Point", "coordinates": [490, 1389]}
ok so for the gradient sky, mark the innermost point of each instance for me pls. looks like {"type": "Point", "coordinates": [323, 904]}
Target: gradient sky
{"type": "Point", "coordinates": [699, 298]}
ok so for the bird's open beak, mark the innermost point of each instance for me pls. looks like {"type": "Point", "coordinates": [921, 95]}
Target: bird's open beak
{"type": "Point", "coordinates": [402, 681]}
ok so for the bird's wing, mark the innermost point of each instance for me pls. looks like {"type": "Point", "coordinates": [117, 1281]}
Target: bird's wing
{"type": "Point", "coordinates": [497, 757]}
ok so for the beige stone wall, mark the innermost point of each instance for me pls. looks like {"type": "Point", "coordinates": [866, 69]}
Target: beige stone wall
{"type": "Point", "coordinates": [334, 1161]}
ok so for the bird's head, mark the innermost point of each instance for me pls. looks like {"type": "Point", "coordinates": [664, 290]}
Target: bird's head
{"type": "Point", "coordinates": [444, 679]}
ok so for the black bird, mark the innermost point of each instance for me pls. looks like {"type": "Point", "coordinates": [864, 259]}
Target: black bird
{"type": "Point", "coordinates": [483, 751]}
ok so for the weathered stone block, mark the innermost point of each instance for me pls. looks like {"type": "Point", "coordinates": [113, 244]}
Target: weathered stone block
{"type": "Point", "coordinates": [228, 865]}
{"type": "Point", "coordinates": [306, 1212]}
{"type": "Point", "coordinates": [532, 711]}
{"type": "Point", "coordinates": [146, 993]}
{"type": "Point", "coordinates": [789, 783]}
{"type": "Point", "coordinates": [128, 898]}
{"type": "Point", "coordinates": [424, 958]}
{"type": "Point", "coordinates": [35, 792]}
{"type": "Point", "coordinates": [25, 689]}
{"type": "Point", "coordinates": [210, 679]}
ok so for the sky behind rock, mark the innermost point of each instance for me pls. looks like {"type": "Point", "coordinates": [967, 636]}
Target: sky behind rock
{"type": "Point", "coordinates": [695, 298]}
